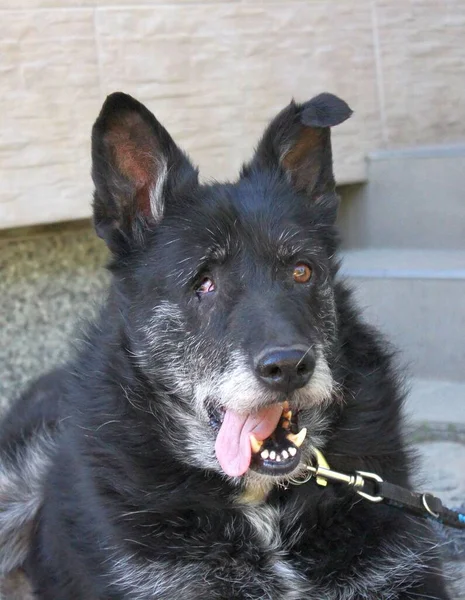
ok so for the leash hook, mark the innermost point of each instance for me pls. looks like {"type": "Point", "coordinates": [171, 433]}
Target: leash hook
{"type": "Point", "coordinates": [372, 477]}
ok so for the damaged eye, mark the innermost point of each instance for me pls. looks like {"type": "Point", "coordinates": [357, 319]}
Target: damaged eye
{"type": "Point", "coordinates": [302, 273]}
{"type": "Point", "coordinates": [205, 286]}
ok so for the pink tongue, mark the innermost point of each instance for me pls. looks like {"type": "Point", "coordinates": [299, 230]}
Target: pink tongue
{"type": "Point", "coordinates": [232, 446]}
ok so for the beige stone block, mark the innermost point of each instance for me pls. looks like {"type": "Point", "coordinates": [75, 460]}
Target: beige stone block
{"type": "Point", "coordinates": [416, 14]}
{"type": "Point", "coordinates": [31, 4]}
{"type": "Point", "coordinates": [50, 96]}
{"type": "Point", "coordinates": [423, 67]}
{"type": "Point", "coordinates": [185, 68]}
{"type": "Point", "coordinates": [215, 75]}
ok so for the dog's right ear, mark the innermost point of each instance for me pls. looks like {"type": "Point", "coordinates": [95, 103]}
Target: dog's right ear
{"type": "Point", "coordinates": [135, 167]}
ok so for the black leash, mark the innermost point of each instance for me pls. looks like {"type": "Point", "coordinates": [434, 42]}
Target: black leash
{"type": "Point", "coordinates": [372, 487]}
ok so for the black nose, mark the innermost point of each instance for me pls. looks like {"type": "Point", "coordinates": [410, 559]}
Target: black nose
{"type": "Point", "coordinates": [285, 369]}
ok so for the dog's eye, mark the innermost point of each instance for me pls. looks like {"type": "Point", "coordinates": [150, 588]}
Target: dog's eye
{"type": "Point", "coordinates": [302, 273]}
{"type": "Point", "coordinates": [205, 286]}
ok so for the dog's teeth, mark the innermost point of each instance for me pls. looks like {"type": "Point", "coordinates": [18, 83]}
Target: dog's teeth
{"type": "Point", "coordinates": [255, 444]}
{"type": "Point", "coordinates": [300, 437]}
{"type": "Point", "coordinates": [292, 451]}
{"type": "Point", "coordinates": [278, 458]}
{"type": "Point", "coordinates": [285, 424]}
{"type": "Point", "coordinates": [297, 438]}
{"type": "Point", "coordinates": [265, 454]}
{"type": "Point", "coordinates": [272, 455]}
{"type": "Point", "coordinates": [288, 415]}
{"type": "Point", "coordinates": [284, 454]}
{"type": "Point", "coordinates": [285, 406]}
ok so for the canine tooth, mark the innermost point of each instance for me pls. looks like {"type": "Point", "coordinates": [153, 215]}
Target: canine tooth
{"type": "Point", "coordinates": [297, 438]}
{"type": "Point", "coordinates": [255, 444]}
{"type": "Point", "coordinates": [300, 437]}
{"type": "Point", "coordinates": [285, 406]}
{"type": "Point", "coordinates": [292, 451]}
{"type": "Point", "coordinates": [285, 424]}
{"type": "Point", "coordinates": [272, 455]}
{"type": "Point", "coordinates": [265, 454]}
{"type": "Point", "coordinates": [288, 415]}
{"type": "Point", "coordinates": [284, 454]}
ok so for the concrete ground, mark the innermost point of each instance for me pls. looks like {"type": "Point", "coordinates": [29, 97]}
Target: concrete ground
{"type": "Point", "coordinates": [443, 473]}
{"type": "Point", "coordinates": [52, 278]}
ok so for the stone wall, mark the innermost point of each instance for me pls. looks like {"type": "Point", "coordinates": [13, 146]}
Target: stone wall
{"type": "Point", "coordinates": [214, 72]}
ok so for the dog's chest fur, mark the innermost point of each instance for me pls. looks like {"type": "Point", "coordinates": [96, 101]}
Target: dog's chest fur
{"type": "Point", "coordinates": [262, 571]}
{"type": "Point", "coordinates": [267, 565]}
{"type": "Point", "coordinates": [266, 522]}
{"type": "Point", "coordinates": [249, 560]}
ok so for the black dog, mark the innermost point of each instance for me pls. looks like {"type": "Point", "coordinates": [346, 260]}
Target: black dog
{"type": "Point", "coordinates": [163, 461]}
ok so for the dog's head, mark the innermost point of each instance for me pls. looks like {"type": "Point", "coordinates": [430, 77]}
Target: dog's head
{"type": "Point", "coordinates": [226, 289]}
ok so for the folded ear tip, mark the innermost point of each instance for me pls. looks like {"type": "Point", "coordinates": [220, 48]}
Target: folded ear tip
{"type": "Point", "coordinates": [325, 110]}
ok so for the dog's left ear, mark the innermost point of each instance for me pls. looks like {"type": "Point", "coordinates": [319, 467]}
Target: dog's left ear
{"type": "Point", "coordinates": [298, 142]}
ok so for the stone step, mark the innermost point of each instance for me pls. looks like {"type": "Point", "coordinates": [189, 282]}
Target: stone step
{"type": "Point", "coordinates": [417, 298]}
{"type": "Point", "coordinates": [438, 402]}
{"type": "Point", "coordinates": [413, 199]}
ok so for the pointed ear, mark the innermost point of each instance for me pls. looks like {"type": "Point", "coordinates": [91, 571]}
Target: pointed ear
{"type": "Point", "coordinates": [298, 142]}
{"type": "Point", "coordinates": [135, 167]}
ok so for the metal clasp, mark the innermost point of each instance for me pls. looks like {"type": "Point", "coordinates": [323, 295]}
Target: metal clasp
{"type": "Point", "coordinates": [323, 473]}
{"type": "Point", "coordinates": [424, 499]}
{"type": "Point", "coordinates": [372, 477]}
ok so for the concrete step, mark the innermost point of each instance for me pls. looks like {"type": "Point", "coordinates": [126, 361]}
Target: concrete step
{"type": "Point", "coordinates": [437, 401]}
{"type": "Point", "coordinates": [413, 199]}
{"type": "Point", "coordinates": [417, 298]}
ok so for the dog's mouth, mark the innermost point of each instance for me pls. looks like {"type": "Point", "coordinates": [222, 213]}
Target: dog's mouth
{"type": "Point", "coordinates": [268, 441]}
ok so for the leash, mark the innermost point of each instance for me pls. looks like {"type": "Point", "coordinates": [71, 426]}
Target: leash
{"type": "Point", "coordinates": [373, 488]}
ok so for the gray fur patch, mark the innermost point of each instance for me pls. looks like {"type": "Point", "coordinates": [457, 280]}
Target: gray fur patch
{"type": "Point", "coordinates": [157, 204]}
{"type": "Point", "coordinates": [239, 389]}
{"type": "Point", "coordinates": [143, 580]}
{"type": "Point", "coordinates": [21, 483]}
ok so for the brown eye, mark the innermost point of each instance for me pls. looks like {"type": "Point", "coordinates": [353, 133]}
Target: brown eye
{"type": "Point", "coordinates": [302, 273]}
